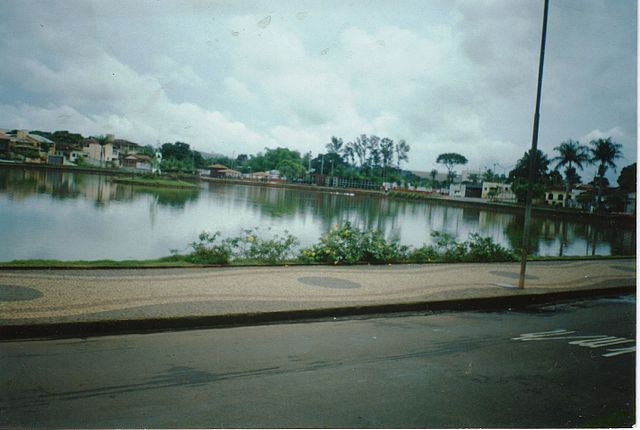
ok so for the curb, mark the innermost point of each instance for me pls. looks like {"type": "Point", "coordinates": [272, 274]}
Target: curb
{"type": "Point", "coordinates": [296, 264]}
{"type": "Point", "coordinates": [153, 325]}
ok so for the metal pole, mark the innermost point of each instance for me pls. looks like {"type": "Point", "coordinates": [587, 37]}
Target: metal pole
{"type": "Point", "coordinates": [533, 154]}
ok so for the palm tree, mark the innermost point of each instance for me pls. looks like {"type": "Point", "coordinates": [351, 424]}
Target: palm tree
{"type": "Point", "coordinates": [102, 141]}
{"type": "Point", "coordinates": [604, 152]}
{"type": "Point", "coordinates": [335, 145]}
{"type": "Point", "coordinates": [571, 152]}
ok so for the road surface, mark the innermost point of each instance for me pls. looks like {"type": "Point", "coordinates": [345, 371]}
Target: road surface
{"type": "Point", "coordinates": [562, 365]}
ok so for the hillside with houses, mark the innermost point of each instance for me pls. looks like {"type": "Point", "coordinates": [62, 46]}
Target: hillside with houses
{"type": "Point", "coordinates": [360, 165]}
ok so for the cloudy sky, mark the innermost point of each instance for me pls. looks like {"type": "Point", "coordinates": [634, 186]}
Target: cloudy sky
{"type": "Point", "coordinates": [238, 76]}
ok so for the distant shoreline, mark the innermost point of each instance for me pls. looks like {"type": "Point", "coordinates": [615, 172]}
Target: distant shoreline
{"type": "Point", "coordinates": [514, 208]}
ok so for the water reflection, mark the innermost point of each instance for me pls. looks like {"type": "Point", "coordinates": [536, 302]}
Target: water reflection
{"type": "Point", "coordinates": [56, 214]}
{"type": "Point", "coordinates": [21, 184]}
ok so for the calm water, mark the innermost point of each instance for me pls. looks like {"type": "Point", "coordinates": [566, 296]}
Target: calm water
{"type": "Point", "coordinates": [49, 214]}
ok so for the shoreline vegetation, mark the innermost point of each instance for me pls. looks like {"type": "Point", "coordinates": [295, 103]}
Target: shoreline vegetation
{"type": "Point", "coordinates": [398, 194]}
{"type": "Point", "coordinates": [341, 245]}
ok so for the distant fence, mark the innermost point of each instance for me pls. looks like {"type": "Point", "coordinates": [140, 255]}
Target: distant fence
{"type": "Point", "coordinates": [335, 182]}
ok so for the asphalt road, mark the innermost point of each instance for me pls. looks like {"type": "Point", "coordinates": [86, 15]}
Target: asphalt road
{"type": "Point", "coordinates": [562, 365]}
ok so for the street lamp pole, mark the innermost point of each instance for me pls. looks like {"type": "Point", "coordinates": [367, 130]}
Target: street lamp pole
{"type": "Point", "coordinates": [533, 154]}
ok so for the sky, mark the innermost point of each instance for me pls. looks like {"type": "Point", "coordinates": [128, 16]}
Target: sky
{"type": "Point", "coordinates": [236, 77]}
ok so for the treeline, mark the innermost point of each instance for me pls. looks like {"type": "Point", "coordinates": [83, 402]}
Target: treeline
{"type": "Point", "coordinates": [366, 158]}
{"type": "Point", "coordinates": [572, 157]}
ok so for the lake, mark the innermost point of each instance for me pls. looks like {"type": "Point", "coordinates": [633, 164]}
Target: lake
{"type": "Point", "coordinates": [49, 214]}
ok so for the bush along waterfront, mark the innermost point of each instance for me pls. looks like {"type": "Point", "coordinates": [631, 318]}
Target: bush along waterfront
{"type": "Point", "coordinates": [342, 244]}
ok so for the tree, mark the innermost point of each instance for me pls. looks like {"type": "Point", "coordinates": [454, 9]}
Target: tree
{"type": "Point", "coordinates": [360, 148]}
{"type": "Point", "coordinates": [490, 176]}
{"type": "Point", "coordinates": [450, 160]}
{"type": "Point", "coordinates": [179, 151]}
{"type": "Point", "coordinates": [627, 179]}
{"type": "Point", "coordinates": [521, 170]}
{"type": "Point", "coordinates": [323, 163]}
{"type": "Point", "coordinates": [335, 145]}
{"type": "Point", "coordinates": [571, 153]}
{"type": "Point", "coordinates": [102, 141]}
{"type": "Point", "coordinates": [474, 178]}
{"type": "Point", "coordinates": [271, 158]}
{"type": "Point", "coordinates": [373, 148]}
{"type": "Point", "coordinates": [604, 152]}
{"type": "Point", "coordinates": [402, 152]}
{"type": "Point", "coordinates": [386, 152]}
{"type": "Point", "coordinates": [433, 174]}
{"type": "Point", "coordinates": [519, 176]}
{"type": "Point", "coordinates": [350, 153]}
{"type": "Point", "coordinates": [291, 168]}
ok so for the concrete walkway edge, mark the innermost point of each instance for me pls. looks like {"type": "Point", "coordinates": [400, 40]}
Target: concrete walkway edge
{"type": "Point", "coordinates": [84, 329]}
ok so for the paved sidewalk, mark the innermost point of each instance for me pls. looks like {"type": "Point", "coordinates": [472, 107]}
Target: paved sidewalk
{"type": "Point", "coordinates": [148, 298]}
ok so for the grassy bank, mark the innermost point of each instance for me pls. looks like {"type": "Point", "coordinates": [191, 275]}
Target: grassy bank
{"type": "Point", "coordinates": [155, 182]}
{"type": "Point", "coordinates": [173, 262]}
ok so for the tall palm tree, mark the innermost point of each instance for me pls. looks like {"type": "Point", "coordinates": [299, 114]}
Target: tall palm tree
{"type": "Point", "coordinates": [102, 141]}
{"type": "Point", "coordinates": [604, 152]}
{"type": "Point", "coordinates": [571, 153]}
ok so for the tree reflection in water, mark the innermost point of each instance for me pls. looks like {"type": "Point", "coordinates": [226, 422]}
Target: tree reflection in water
{"type": "Point", "coordinates": [147, 211]}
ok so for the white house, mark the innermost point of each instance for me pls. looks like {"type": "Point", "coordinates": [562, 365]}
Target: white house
{"type": "Point", "coordinates": [497, 191]}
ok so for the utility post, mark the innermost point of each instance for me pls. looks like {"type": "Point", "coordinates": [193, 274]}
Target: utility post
{"type": "Point", "coordinates": [533, 154]}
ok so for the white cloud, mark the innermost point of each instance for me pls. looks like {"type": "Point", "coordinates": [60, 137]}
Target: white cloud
{"type": "Point", "coordinates": [210, 74]}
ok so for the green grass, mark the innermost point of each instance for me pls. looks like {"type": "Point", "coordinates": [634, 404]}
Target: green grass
{"type": "Point", "coordinates": [155, 182]}
{"type": "Point", "coordinates": [180, 261]}
{"type": "Point", "coordinates": [170, 261]}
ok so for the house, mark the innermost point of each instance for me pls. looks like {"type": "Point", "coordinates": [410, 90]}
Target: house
{"type": "Point", "coordinates": [259, 175]}
{"type": "Point", "coordinates": [137, 162]}
{"type": "Point", "coordinates": [556, 196]}
{"type": "Point", "coordinates": [217, 170]}
{"type": "Point", "coordinates": [465, 190]}
{"type": "Point", "coordinates": [125, 146]}
{"type": "Point", "coordinates": [69, 152]}
{"type": "Point", "coordinates": [55, 159]}
{"type": "Point", "coordinates": [23, 137]}
{"type": "Point", "coordinates": [5, 143]}
{"type": "Point", "coordinates": [497, 191]}
{"type": "Point", "coordinates": [230, 173]}
{"type": "Point", "coordinates": [101, 155]}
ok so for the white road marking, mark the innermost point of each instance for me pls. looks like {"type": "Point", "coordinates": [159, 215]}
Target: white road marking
{"type": "Point", "coordinates": [589, 341]}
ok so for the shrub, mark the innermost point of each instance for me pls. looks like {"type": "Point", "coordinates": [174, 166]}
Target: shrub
{"type": "Point", "coordinates": [484, 249]}
{"type": "Point", "coordinates": [342, 244]}
{"type": "Point", "coordinates": [209, 250]}
{"type": "Point", "coordinates": [424, 254]}
{"type": "Point", "coordinates": [347, 244]}
{"type": "Point", "coordinates": [277, 249]}
{"type": "Point", "coordinates": [476, 249]}
{"type": "Point", "coordinates": [378, 250]}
